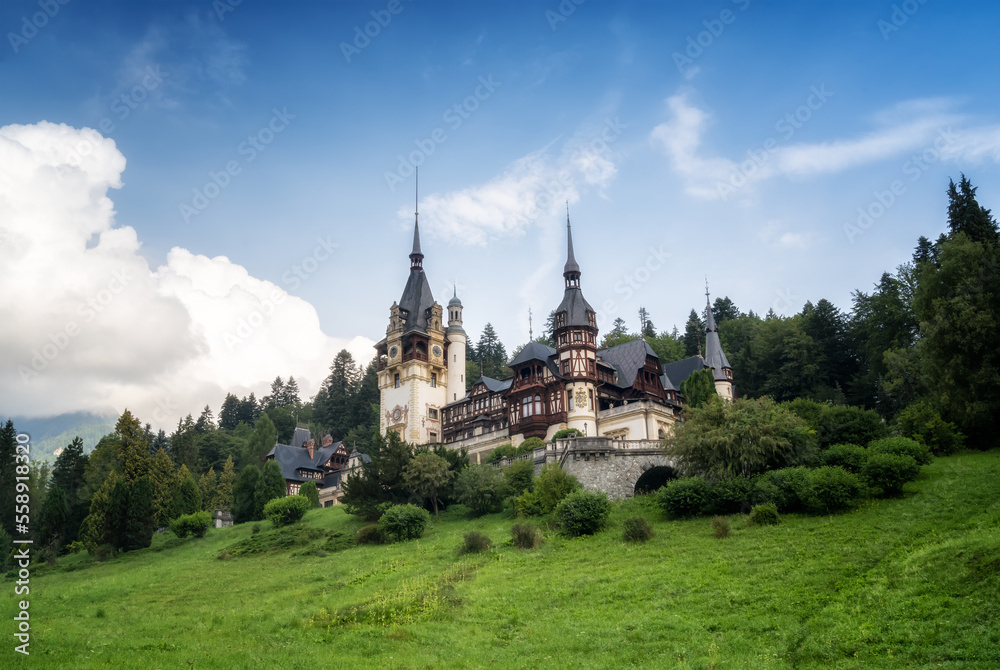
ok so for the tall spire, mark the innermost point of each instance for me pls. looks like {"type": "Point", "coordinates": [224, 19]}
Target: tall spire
{"type": "Point", "coordinates": [715, 357]}
{"type": "Point", "coordinates": [416, 256]}
{"type": "Point", "coordinates": [571, 271]}
{"type": "Point", "coordinates": [709, 316]}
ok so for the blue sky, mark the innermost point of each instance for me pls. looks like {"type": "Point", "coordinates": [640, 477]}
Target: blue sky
{"type": "Point", "coordinates": [645, 116]}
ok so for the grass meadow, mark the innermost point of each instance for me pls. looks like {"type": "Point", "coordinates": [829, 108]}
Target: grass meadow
{"type": "Point", "coordinates": [911, 582]}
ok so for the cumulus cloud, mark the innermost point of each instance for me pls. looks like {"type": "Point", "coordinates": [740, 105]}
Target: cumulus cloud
{"type": "Point", "coordinates": [531, 188]}
{"type": "Point", "coordinates": [911, 126]}
{"type": "Point", "coordinates": [90, 326]}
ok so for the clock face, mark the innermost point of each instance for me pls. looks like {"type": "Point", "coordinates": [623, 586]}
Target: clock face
{"type": "Point", "coordinates": [393, 351]}
{"type": "Point", "coordinates": [437, 351]}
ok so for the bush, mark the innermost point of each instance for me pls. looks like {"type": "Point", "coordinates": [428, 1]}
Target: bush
{"type": "Point", "coordinates": [566, 432]}
{"type": "Point", "coordinates": [922, 423]}
{"type": "Point", "coordinates": [851, 457]}
{"type": "Point", "coordinates": [404, 522]}
{"type": "Point", "coordinates": [481, 488]}
{"type": "Point", "coordinates": [476, 543]}
{"type": "Point", "coordinates": [529, 446]}
{"type": "Point", "coordinates": [637, 529]}
{"type": "Point", "coordinates": [886, 473]}
{"type": "Point", "coordinates": [829, 489]}
{"type": "Point", "coordinates": [902, 446]}
{"type": "Point", "coordinates": [195, 524]}
{"type": "Point", "coordinates": [583, 513]}
{"type": "Point", "coordinates": [551, 486]}
{"type": "Point", "coordinates": [526, 536]}
{"type": "Point", "coordinates": [254, 529]}
{"type": "Point", "coordinates": [501, 452]}
{"type": "Point", "coordinates": [720, 526]}
{"type": "Point", "coordinates": [780, 487]}
{"type": "Point", "coordinates": [371, 534]}
{"type": "Point", "coordinates": [844, 424]}
{"type": "Point", "coordinates": [683, 498]}
{"type": "Point", "coordinates": [765, 514]}
{"type": "Point", "coordinates": [730, 496]}
{"type": "Point", "coordinates": [518, 477]}
{"type": "Point", "coordinates": [286, 511]}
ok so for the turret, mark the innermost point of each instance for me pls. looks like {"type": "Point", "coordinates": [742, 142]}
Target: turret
{"type": "Point", "coordinates": [715, 357]}
{"type": "Point", "coordinates": [456, 349]}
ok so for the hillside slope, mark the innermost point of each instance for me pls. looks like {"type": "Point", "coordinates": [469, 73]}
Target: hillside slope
{"type": "Point", "coordinates": [912, 582]}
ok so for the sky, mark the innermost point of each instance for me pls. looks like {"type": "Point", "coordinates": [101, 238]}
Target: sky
{"type": "Point", "coordinates": [197, 197]}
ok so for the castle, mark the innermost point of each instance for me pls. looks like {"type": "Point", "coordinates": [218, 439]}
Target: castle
{"type": "Point", "coordinates": [622, 392]}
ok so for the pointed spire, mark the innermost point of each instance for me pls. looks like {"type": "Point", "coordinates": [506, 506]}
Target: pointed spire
{"type": "Point", "coordinates": [709, 315]}
{"type": "Point", "coordinates": [416, 256]}
{"type": "Point", "coordinates": [531, 333]}
{"type": "Point", "coordinates": [571, 264]}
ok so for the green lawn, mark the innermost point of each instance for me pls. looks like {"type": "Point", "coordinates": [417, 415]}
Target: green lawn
{"type": "Point", "coordinates": [913, 582]}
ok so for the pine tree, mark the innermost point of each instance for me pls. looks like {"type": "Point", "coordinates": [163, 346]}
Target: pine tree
{"type": "Point", "coordinates": [646, 327]}
{"type": "Point", "coordinates": [966, 215]}
{"type": "Point", "coordinates": [365, 400]}
{"type": "Point", "coordinates": [187, 496]}
{"type": "Point", "coordinates": [693, 331]}
{"type": "Point", "coordinates": [290, 394]}
{"type": "Point", "coordinates": [270, 486]}
{"type": "Point", "coordinates": [250, 410]}
{"type": "Point", "coordinates": [245, 493]}
{"type": "Point", "coordinates": [8, 474]}
{"type": "Point", "coordinates": [139, 524]}
{"type": "Point", "coordinates": [92, 529]}
{"type": "Point", "coordinates": [723, 309]}
{"type": "Point", "coordinates": [263, 439]}
{"type": "Point", "coordinates": [340, 387]}
{"type": "Point", "coordinates": [310, 493]}
{"type": "Point", "coordinates": [116, 515]}
{"type": "Point", "coordinates": [183, 449]}
{"type": "Point", "coordinates": [133, 454]}
{"type": "Point", "coordinates": [277, 391]}
{"type": "Point", "coordinates": [491, 355]}
{"type": "Point", "coordinates": [163, 478]}
{"type": "Point", "coordinates": [53, 519]}
{"type": "Point", "coordinates": [205, 422]}
{"type": "Point", "coordinates": [229, 414]}
{"type": "Point", "coordinates": [224, 491]}
{"type": "Point", "coordinates": [207, 485]}
{"type": "Point", "coordinates": [68, 473]}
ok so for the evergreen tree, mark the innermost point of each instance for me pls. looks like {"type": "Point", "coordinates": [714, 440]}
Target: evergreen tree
{"type": "Point", "coordinates": [646, 327]}
{"type": "Point", "coordinates": [139, 524]}
{"type": "Point", "coordinates": [205, 422]}
{"type": "Point", "coordinates": [336, 410]}
{"type": "Point", "coordinates": [187, 496]}
{"type": "Point", "coordinates": [270, 486]}
{"type": "Point", "coordinates": [825, 324]}
{"type": "Point", "coordinates": [723, 309]}
{"type": "Point", "coordinates": [68, 474]}
{"type": "Point", "coordinates": [183, 449]}
{"type": "Point", "coordinates": [163, 479]}
{"type": "Point", "coordinates": [290, 394]}
{"type": "Point", "coordinates": [617, 335]}
{"type": "Point", "coordinates": [229, 414]}
{"type": "Point", "coordinates": [249, 410]}
{"type": "Point", "coordinates": [93, 528]}
{"type": "Point", "coordinates": [548, 332]}
{"type": "Point", "coordinates": [310, 493]}
{"type": "Point", "coordinates": [426, 474]}
{"type": "Point", "coordinates": [54, 516]}
{"type": "Point", "coordinates": [966, 215]}
{"type": "Point", "coordinates": [693, 334]}
{"type": "Point", "coordinates": [207, 485]}
{"type": "Point", "coordinates": [490, 354]}
{"type": "Point", "coordinates": [277, 392]}
{"type": "Point", "coordinates": [8, 476]}
{"type": "Point", "coordinates": [116, 516]}
{"type": "Point", "coordinates": [224, 491]}
{"type": "Point", "coordinates": [263, 439]}
{"type": "Point", "coordinates": [284, 423]}
{"type": "Point", "coordinates": [365, 401]}
{"type": "Point", "coordinates": [133, 453]}
{"type": "Point", "coordinates": [244, 495]}
{"type": "Point", "coordinates": [699, 388]}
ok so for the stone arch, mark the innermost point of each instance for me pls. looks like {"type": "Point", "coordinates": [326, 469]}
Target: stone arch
{"type": "Point", "coordinates": [653, 475]}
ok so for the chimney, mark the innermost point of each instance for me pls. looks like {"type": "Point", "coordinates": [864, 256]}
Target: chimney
{"type": "Point", "coordinates": [309, 447]}
{"type": "Point", "coordinates": [327, 441]}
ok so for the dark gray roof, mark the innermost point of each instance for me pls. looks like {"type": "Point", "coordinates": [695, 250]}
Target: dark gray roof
{"type": "Point", "coordinates": [533, 351]}
{"type": "Point", "coordinates": [715, 357]}
{"type": "Point", "coordinates": [494, 385]}
{"type": "Point", "coordinates": [291, 459]}
{"type": "Point", "coordinates": [628, 359]}
{"type": "Point", "coordinates": [417, 301]}
{"type": "Point", "coordinates": [571, 265]}
{"type": "Point", "coordinates": [679, 371]}
{"type": "Point", "coordinates": [300, 437]}
{"type": "Point", "coordinates": [454, 299]}
{"type": "Point", "coordinates": [576, 307]}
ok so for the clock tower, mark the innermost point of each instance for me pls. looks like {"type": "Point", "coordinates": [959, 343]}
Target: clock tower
{"type": "Point", "coordinates": [412, 361]}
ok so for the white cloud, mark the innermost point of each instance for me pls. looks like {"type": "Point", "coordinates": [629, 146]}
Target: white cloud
{"type": "Point", "coordinates": [91, 327]}
{"type": "Point", "coordinates": [533, 187]}
{"type": "Point", "coordinates": [910, 126]}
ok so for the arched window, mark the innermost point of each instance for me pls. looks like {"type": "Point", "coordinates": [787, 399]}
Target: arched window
{"type": "Point", "coordinates": [538, 404]}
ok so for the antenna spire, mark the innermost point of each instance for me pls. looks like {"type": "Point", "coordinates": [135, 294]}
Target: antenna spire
{"type": "Point", "coordinates": [531, 333]}
{"type": "Point", "coordinates": [416, 256]}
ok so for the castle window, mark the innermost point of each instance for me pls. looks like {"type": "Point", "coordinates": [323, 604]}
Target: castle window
{"type": "Point", "coordinates": [577, 336]}
{"type": "Point", "coordinates": [591, 394]}
{"type": "Point", "coordinates": [395, 380]}
{"type": "Point", "coordinates": [569, 403]}
{"type": "Point", "coordinates": [434, 380]}
{"type": "Point", "coordinates": [526, 406]}
{"type": "Point", "coordinates": [562, 339]}
{"type": "Point", "coordinates": [538, 404]}
{"type": "Point", "coordinates": [433, 436]}
{"type": "Point", "coordinates": [565, 366]}
{"type": "Point", "coordinates": [432, 413]}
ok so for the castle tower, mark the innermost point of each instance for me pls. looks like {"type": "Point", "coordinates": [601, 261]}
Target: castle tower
{"type": "Point", "coordinates": [576, 343]}
{"type": "Point", "coordinates": [412, 366]}
{"type": "Point", "coordinates": [456, 350]}
{"type": "Point", "coordinates": [715, 357]}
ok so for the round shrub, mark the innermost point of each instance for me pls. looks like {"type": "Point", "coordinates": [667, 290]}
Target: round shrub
{"type": "Point", "coordinates": [730, 496]}
{"type": "Point", "coordinates": [637, 529]}
{"type": "Point", "coordinates": [902, 446]}
{"type": "Point", "coordinates": [720, 526]}
{"type": "Point", "coordinates": [780, 487]}
{"type": "Point", "coordinates": [404, 522]}
{"type": "Point", "coordinates": [371, 534]}
{"type": "Point", "coordinates": [529, 446]}
{"type": "Point", "coordinates": [886, 473]}
{"type": "Point", "coordinates": [566, 432]}
{"type": "Point", "coordinates": [475, 543]}
{"type": "Point", "coordinates": [285, 511]}
{"type": "Point", "coordinates": [501, 452]}
{"type": "Point", "coordinates": [765, 514]}
{"type": "Point", "coordinates": [526, 536]}
{"type": "Point", "coordinates": [551, 486]}
{"type": "Point", "coordinates": [195, 524]}
{"type": "Point", "coordinates": [922, 423]}
{"type": "Point", "coordinates": [480, 487]}
{"type": "Point", "coordinates": [829, 489]}
{"type": "Point", "coordinates": [683, 498]}
{"type": "Point", "coordinates": [851, 457]}
{"type": "Point", "coordinates": [583, 513]}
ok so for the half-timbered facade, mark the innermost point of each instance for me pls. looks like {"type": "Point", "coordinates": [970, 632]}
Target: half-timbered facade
{"type": "Point", "coordinates": [623, 392]}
